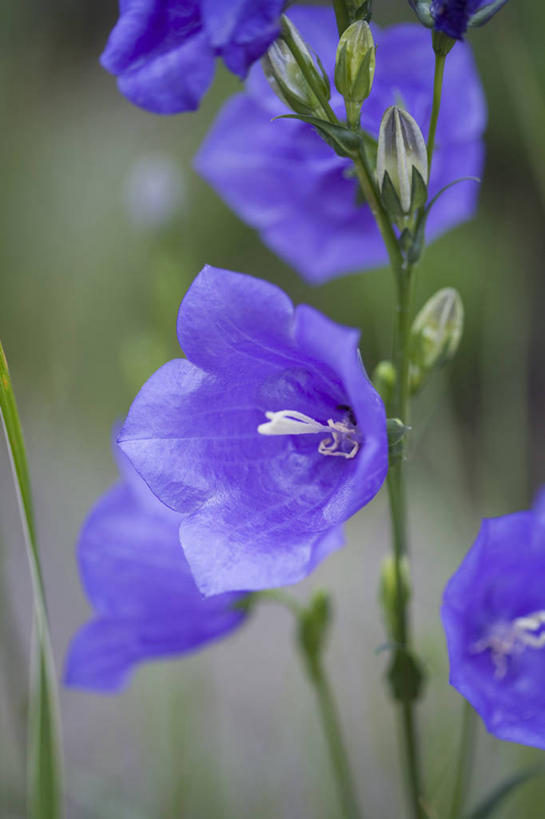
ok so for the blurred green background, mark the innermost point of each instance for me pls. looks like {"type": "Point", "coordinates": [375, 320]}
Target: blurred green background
{"type": "Point", "coordinates": [88, 299]}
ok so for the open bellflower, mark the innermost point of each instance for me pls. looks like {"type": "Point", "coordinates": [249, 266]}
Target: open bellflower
{"type": "Point", "coordinates": [494, 618]}
{"type": "Point", "coordinates": [146, 603]}
{"type": "Point", "coordinates": [454, 17]}
{"type": "Point", "coordinates": [163, 51]}
{"type": "Point", "coordinates": [282, 179]}
{"type": "Point", "coordinates": [265, 439]}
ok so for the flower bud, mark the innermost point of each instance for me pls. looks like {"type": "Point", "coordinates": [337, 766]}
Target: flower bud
{"type": "Point", "coordinates": [293, 75]}
{"type": "Point", "coordinates": [355, 68]}
{"type": "Point", "coordinates": [437, 330]}
{"type": "Point", "coordinates": [388, 592]}
{"type": "Point", "coordinates": [384, 379]}
{"type": "Point", "coordinates": [402, 163]}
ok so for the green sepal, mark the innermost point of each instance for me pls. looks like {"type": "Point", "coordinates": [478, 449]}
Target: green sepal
{"type": "Point", "coordinates": [396, 431]}
{"type": "Point", "coordinates": [363, 12]}
{"type": "Point", "coordinates": [343, 141]}
{"type": "Point", "coordinates": [442, 43]}
{"type": "Point", "coordinates": [416, 247]}
{"type": "Point", "coordinates": [419, 190]}
{"type": "Point", "coordinates": [485, 13]}
{"type": "Point", "coordinates": [406, 676]}
{"type": "Point", "coordinates": [363, 82]}
{"type": "Point", "coordinates": [390, 199]}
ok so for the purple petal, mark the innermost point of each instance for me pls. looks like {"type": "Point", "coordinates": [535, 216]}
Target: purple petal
{"type": "Point", "coordinates": [241, 30]}
{"type": "Point", "coordinates": [146, 602]}
{"type": "Point", "coordinates": [284, 181]}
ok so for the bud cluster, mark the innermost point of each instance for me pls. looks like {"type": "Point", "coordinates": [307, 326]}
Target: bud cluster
{"type": "Point", "coordinates": [293, 74]}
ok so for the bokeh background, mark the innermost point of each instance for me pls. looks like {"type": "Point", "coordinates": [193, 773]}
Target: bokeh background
{"type": "Point", "coordinates": [103, 227]}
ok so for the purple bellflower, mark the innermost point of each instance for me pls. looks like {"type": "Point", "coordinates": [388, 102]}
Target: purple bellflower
{"type": "Point", "coordinates": [145, 599]}
{"type": "Point", "coordinates": [265, 440]}
{"type": "Point", "coordinates": [163, 51]}
{"type": "Point", "coordinates": [454, 17]}
{"type": "Point", "coordinates": [282, 179]}
{"type": "Point", "coordinates": [494, 618]}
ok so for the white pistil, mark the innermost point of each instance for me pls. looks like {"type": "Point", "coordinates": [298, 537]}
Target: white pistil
{"type": "Point", "coordinates": [292, 422]}
{"type": "Point", "coordinates": [506, 639]}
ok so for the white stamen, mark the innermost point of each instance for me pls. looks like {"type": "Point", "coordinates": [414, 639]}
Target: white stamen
{"type": "Point", "coordinates": [292, 422]}
{"type": "Point", "coordinates": [506, 639]}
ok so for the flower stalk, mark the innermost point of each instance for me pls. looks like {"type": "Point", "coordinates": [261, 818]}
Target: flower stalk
{"type": "Point", "coordinates": [313, 623]}
{"type": "Point", "coordinates": [45, 757]}
{"type": "Point", "coordinates": [439, 72]}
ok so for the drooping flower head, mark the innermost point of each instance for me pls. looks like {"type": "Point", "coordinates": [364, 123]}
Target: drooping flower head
{"type": "Point", "coordinates": [454, 17]}
{"type": "Point", "coordinates": [145, 599]}
{"type": "Point", "coordinates": [265, 439]}
{"type": "Point", "coordinates": [494, 618]}
{"type": "Point", "coordinates": [282, 179]}
{"type": "Point", "coordinates": [163, 51]}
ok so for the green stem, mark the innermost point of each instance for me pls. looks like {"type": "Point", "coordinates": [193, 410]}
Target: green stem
{"type": "Point", "coordinates": [341, 15]}
{"type": "Point", "coordinates": [440, 60]}
{"type": "Point", "coordinates": [337, 750]}
{"type": "Point", "coordinates": [370, 192]}
{"type": "Point", "coordinates": [45, 769]}
{"type": "Point", "coordinates": [398, 510]}
{"type": "Point", "coordinates": [311, 634]}
{"type": "Point", "coordinates": [464, 765]}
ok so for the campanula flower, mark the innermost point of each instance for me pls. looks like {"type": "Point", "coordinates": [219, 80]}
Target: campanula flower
{"type": "Point", "coordinates": [494, 618]}
{"type": "Point", "coordinates": [265, 439]}
{"type": "Point", "coordinates": [282, 179]}
{"type": "Point", "coordinates": [145, 599]}
{"type": "Point", "coordinates": [454, 17]}
{"type": "Point", "coordinates": [163, 51]}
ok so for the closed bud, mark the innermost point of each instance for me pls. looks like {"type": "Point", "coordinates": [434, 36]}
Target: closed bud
{"type": "Point", "coordinates": [402, 163]}
{"type": "Point", "coordinates": [292, 73]}
{"type": "Point", "coordinates": [355, 68]}
{"type": "Point", "coordinates": [384, 379]}
{"type": "Point", "coordinates": [391, 598]}
{"type": "Point", "coordinates": [437, 330]}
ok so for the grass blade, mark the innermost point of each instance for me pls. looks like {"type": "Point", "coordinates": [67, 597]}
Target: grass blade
{"type": "Point", "coordinates": [44, 757]}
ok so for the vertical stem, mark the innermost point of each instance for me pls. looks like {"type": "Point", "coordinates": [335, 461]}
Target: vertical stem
{"type": "Point", "coordinates": [311, 650]}
{"type": "Point", "coordinates": [341, 15]}
{"type": "Point", "coordinates": [337, 750]}
{"type": "Point", "coordinates": [45, 774]}
{"type": "Point", "coordinates": [398, 511]}
{"type": "Point", "coordinates": [464, 765]}
{"type": "Point", "coordinates": [440, 60]}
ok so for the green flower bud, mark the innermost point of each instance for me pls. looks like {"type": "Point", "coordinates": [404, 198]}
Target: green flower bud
{"type": "Point", "coordinates": [436, 331]}
{"type": "Point", "coordinates": [293, 75]}
{"type": "Point", "coordinates": [388, 592]}
{"type": "Point", "coordinates": [384, 379]}
{"type": "Point", "coordinates": [355, 68]}
{"type": "Point", "coordinates": [402, 163]}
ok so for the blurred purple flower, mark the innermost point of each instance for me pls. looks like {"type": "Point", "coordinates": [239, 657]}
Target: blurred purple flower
{"type": "Point", "coordinates": [454, 17]}
{"type": "Point", "coordinates": [265, 440]}
{"type": "Point", "coordinates": [494, 618]}
{"type": "Point", "coordinates": [285, 181]}
{"type": "Point", "coordinates": [138, 581]}
{"type": "Point", "coordinates": [154, 191]}
{"type": "Point", "coordinates": [163, 51]}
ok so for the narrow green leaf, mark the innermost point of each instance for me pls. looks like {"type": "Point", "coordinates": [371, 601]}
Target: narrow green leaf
{"type": "Point", "coordinates": [44, 756]}
{"type": "Point", "coordinates": [495, 799]}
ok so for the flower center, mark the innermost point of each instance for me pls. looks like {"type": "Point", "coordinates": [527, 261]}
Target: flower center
{"type": "Point", "coordinates": [341, 435]}
{"type": "Point", "coordinates": [508, 638]}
